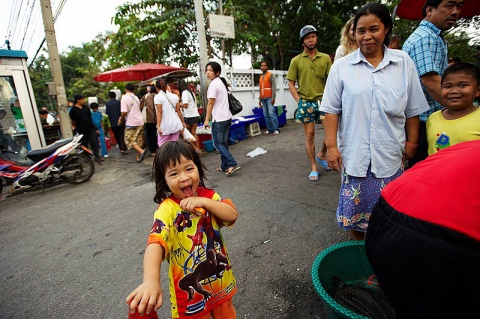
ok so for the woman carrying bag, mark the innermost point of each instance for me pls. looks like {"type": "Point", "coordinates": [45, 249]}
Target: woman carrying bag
{"type": "Point", "coordinates": [190, 112]}
{"type": "Point", "coordinates": [169, 117]}
{"type": "Point", "coordinates": [219, 113]}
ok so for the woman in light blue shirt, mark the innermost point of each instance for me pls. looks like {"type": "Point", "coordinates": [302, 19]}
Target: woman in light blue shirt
{"type": "Point", "coordinates": [372, 97]}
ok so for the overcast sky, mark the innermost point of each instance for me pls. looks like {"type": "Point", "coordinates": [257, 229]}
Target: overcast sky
{"type": "Point", "coordinates": [79, 21]}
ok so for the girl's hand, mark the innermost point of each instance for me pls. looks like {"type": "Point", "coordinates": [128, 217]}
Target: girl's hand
{"type": "Point", "coordinates": [194, 205]}
{"type": "Point", "coordinates": [146, 298]}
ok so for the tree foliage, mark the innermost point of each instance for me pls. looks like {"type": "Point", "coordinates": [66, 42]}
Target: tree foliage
{"type": "Point", "coordinates": [164, 31]}
{"type": "Point", "coordinates": [39, 76]}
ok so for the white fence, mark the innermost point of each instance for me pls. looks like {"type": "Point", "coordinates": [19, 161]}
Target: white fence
{"type": "Point", "coordinates": [244, 85]}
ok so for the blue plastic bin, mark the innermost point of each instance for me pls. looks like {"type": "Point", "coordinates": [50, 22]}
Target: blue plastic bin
{"type": "Point", "coordinates": [208, 144]}
{"type": "Point", "coordinates": [237, 133]}
{"type": "Point", "coordinates": [282, 119]}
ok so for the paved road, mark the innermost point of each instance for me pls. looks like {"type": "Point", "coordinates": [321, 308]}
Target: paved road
{"type": "Point", "coordinates": [76, 251]}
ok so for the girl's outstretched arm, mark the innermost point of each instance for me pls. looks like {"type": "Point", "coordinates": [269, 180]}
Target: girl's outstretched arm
{"type": "Point", "coordinates": [148, 296]}
{"type": "Point", "coordinates": [221, 210]}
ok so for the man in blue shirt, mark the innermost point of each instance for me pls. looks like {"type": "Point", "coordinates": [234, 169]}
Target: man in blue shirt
{"type": "Point", "coordinates": [428, 50]}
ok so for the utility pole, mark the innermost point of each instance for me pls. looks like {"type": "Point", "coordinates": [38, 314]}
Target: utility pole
{"type": "Point", "coordinates": [56, 69]}
{"type": "Point", "coordinates": [222, 40]}
{"type": "Point", "coordinates": [202, 43]}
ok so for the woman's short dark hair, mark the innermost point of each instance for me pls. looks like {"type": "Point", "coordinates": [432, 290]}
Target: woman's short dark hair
{"type": "Point", "coordinates": [217, 69]}
{"type": "Point", "coordinates": [381, 11]}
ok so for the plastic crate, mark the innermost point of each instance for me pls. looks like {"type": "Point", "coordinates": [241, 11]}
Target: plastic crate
{"type": "Point", "coordinates": [282, 119]}
{"type": "Point", "coordinates": [253, 129]}
{"type": "Point", "coordinates": [237, 133]}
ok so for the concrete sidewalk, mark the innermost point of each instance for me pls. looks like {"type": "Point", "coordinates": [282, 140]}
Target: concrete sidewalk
{"type": "Point", "coordinates": [76, 251]}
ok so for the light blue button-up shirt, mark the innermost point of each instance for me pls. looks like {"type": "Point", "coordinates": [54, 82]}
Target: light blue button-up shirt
{"type": "Point", "coordinates": [429, 52]}
{"type": "Point", "coordinates": [373, 104]}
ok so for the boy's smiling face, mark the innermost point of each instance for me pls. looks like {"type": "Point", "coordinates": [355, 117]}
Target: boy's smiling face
{"type": "Point", "coordinates": [183, 178]}
{"type": "Point", "coordinates": [458, 91]}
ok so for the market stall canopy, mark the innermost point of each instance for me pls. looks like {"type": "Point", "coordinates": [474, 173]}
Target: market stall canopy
{"type": "Point", "coordinates": [170, 76]}
{"type": "Point", "coordinates": [137, 72]}
{"type": "Point", "coordinates": [412, 9]}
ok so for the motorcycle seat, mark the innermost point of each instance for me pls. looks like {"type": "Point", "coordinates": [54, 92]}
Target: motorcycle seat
{"type": "Point", "coordinates": [40, 154]}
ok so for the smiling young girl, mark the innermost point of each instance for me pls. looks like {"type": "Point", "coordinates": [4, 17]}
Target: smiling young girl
{"type": "Point", "coordinates": [186, 233]}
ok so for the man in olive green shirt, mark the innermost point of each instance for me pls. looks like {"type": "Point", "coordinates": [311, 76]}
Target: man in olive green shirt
{"type": "Point", "coordinates": [310, 70]}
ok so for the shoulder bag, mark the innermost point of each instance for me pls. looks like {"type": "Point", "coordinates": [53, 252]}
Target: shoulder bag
{"type": "Point", "coordinates": [234, 105]}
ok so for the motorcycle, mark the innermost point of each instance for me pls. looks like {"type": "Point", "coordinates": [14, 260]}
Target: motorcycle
{"type": "Point", "coordinates": [65, 159]}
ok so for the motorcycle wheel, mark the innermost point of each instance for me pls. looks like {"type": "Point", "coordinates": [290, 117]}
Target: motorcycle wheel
{"type": "Point", "coordinates": [83, 167]}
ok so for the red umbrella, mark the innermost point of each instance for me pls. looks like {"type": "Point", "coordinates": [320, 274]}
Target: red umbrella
{"type": "Point", "coordinates": [137, 72]}
{"type": "Point", "coordinates": [412, 9]}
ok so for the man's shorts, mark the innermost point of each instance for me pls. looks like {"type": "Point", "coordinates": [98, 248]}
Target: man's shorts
{"type": "Point", "coordinates": [308, 112]}
{"type": "Point", "coordinates": [133, 136]}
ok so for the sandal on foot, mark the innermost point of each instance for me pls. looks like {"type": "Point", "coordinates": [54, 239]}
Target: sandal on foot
{"type": "Point", "coordinates": [232, 170]}
{"type": "Point", "coordinates": [142, 156]}
{"type": "Point", "coordinates": [219, 169]}
{"type": "Point", "coordinates": [313, 176]}
{"type": "Point", "coordinates": [324, 164]}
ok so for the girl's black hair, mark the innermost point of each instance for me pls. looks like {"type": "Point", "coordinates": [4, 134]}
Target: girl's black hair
{"type": "Point", "coordinates": [216, 67]}
{"type": "Point", "coordinates": [170, 154]}
{"type": "Point", "coordinates": [182, 86]}
{"type": "Point", "coordinates": [381, 11]}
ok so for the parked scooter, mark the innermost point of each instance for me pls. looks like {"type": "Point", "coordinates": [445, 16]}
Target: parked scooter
{"type": "Point", "coordinates": [65, 159]}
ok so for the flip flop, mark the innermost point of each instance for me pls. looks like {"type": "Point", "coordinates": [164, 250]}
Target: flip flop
{"type": "Point", "coordinates": [219, 169]}
{"type": "Point", "coordinates": [230, 173]}
{"type": "Point", "coordinates": [142, 156]}
{"type": "Point", "coordinates": [313, 176]}
{"type": "Point", "coordinates": [324, 163]}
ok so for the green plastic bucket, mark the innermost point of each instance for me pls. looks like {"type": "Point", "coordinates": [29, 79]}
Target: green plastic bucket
{"type": "Point", "coordinates": [346, 263]}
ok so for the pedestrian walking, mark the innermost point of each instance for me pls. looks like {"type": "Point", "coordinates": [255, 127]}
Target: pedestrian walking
{"type": "Point", "coordinates": [219, 113]}
{"type": "Point", "coordinates": [132, 116]}
{"type": "Point", "coordinates": [310, 70]}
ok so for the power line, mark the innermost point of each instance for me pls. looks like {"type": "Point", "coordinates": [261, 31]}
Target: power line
{"type": "Point", "coordinates": [28, 23]}
{"type": "Point", "coordinates": [57, 14]}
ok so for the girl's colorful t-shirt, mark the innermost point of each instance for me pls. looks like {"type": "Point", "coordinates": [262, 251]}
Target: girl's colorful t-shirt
{"type": "Point", "coordinates": [200, 271]}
